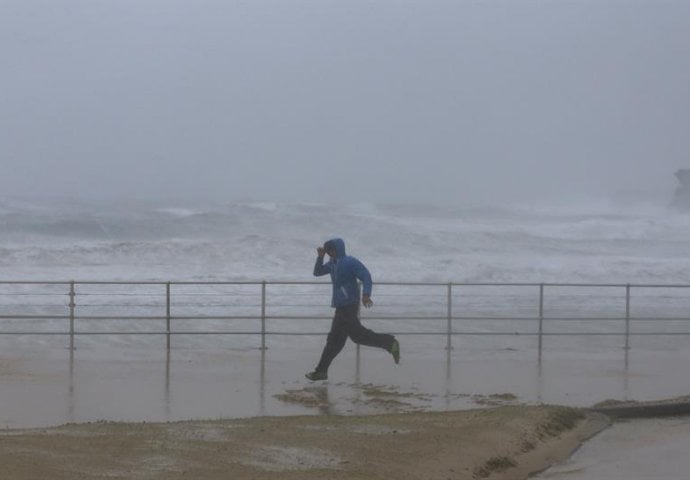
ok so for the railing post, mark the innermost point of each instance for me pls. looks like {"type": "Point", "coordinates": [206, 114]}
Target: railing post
{"type": "Point", "coordinates": [449, 331]}
{"type": "Point", "coordinates": [263, 315]}
{"type": "Point", "coordinates": [72, 305]}
{"type": "Point", "coordinates": [167, 315]}
{"type": "Point", "coordinates": [541, 317]}
{"type": "Point", "coordinates": [627, 316]}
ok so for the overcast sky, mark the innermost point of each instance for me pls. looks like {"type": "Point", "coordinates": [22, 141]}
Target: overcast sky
{"type": "Point", "coordinates": [343, 101]}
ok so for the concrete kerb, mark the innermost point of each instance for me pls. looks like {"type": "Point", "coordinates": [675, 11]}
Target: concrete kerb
{"type": "Point", "coordinates": [616, 410]}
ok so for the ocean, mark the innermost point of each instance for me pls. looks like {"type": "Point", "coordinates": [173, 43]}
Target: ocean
{"type": "Point", "coordinates": [177, 241]}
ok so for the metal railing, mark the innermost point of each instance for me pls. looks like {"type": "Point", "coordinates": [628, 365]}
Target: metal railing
{"type": "Point", "coordinates": [263, 309]}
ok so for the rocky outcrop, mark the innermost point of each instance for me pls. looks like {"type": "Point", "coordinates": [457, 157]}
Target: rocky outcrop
{"type": "Point", "coordinates": [681, 198]}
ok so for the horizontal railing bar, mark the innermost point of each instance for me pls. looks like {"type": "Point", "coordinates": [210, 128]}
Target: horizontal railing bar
{"type": "Point", "coordinates": [660, 319]}
{"type": "Point", "coordinates": [310, 317]}
{"type": "Point", "coordinates": [234, 294]}
{"type": "Point", "coordinates": [106, 294]}
{"type": "Point", "coordinates": [166, 333]}
{"type": "Point", "coordinates": [610, 334]}
{"type": "Point", "coordinates": [34, 333]}
{"type": "Point", "coordinates": [551, 319]}
{"type": "Point", "coordinates": [462, 318]}
{"type": "Point", "coordinates": [116, 317]}
{"type": "Point", "coordinates": [146, 306]}
{"type": "Point", "coordinates": [556, 334]}
{"type": "Point", "coordinates": [299, 282]}
{"type": "Point", "coordinates": [120, 317]}
{"type": "Point", "coordinates": [10, 294]}
{"type": "Point", "coordinates": [121, 305]}
{"type": "Point", "coordinates": [467, 333]}
{"type": "Point", "coordinates": [33, 305]}
{"type": "Point", "coordinates": [161, 293]}
{"type": "Point", "coordinates": [130, 333]}
{"type": "Point", "coordinates": [323, 317]}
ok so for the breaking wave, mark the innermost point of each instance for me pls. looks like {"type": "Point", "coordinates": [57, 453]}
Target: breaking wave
{"type": "Point", "coordinates": [274, 241]}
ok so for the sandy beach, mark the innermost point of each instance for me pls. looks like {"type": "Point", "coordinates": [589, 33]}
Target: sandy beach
{"type": "Point", "coordinates": [508, 442]}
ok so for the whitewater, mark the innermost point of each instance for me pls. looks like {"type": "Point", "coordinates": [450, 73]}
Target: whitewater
{"type": "Point", "coordinates": [177, 241]}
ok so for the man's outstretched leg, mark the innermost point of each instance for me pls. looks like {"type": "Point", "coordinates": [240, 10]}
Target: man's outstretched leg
{"type": "Point", "coordinates": [363, 336]}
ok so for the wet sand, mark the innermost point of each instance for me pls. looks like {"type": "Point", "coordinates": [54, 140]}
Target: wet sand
{"type": "Point", "coordinates": [498, 443]}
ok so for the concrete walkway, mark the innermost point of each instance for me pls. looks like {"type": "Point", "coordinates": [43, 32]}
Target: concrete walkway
{"type": "Point", "coordinates": [651, 448]}
{"type": "Point", "coordinates": [52, 385]}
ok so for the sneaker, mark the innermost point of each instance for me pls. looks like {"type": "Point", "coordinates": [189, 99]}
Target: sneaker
{"type": "Point", "coordinates": [395, 351]}
{"type": "Point", "coordinates": [316, 375]}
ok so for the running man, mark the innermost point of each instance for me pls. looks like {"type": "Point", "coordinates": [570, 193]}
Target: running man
{"type": "Point", "coordinates": [345, 271]}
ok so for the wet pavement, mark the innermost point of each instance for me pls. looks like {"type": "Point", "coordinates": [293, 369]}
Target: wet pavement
{"type": "Point", "coordinates": [642, 449]}
{"type": "Point", "coordinates": [53, 385]}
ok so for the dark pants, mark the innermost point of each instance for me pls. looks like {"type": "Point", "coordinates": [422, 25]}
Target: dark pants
{"type": "Point", "coordinates": [346, 324]}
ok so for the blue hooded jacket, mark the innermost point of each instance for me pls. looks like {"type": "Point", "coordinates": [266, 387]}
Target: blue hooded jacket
{"type": "Point", "coordinates": [345, 271]}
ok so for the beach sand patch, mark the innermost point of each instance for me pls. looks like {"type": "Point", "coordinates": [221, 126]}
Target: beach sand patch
{"type": "Point", "coordinates": [501, 443]}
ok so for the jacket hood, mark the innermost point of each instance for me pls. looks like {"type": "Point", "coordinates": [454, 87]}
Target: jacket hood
{"type": "Point", "coordinates": [338, 244]}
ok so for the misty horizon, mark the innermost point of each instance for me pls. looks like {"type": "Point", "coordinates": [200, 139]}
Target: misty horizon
{"type": "Point", "coordinates": [438, 102]}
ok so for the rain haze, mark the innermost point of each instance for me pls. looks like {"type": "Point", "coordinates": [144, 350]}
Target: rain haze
{"type": "Point", "coordinates": [389, 101]}
{"type": "Point", "coordinates": [170, 167]}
